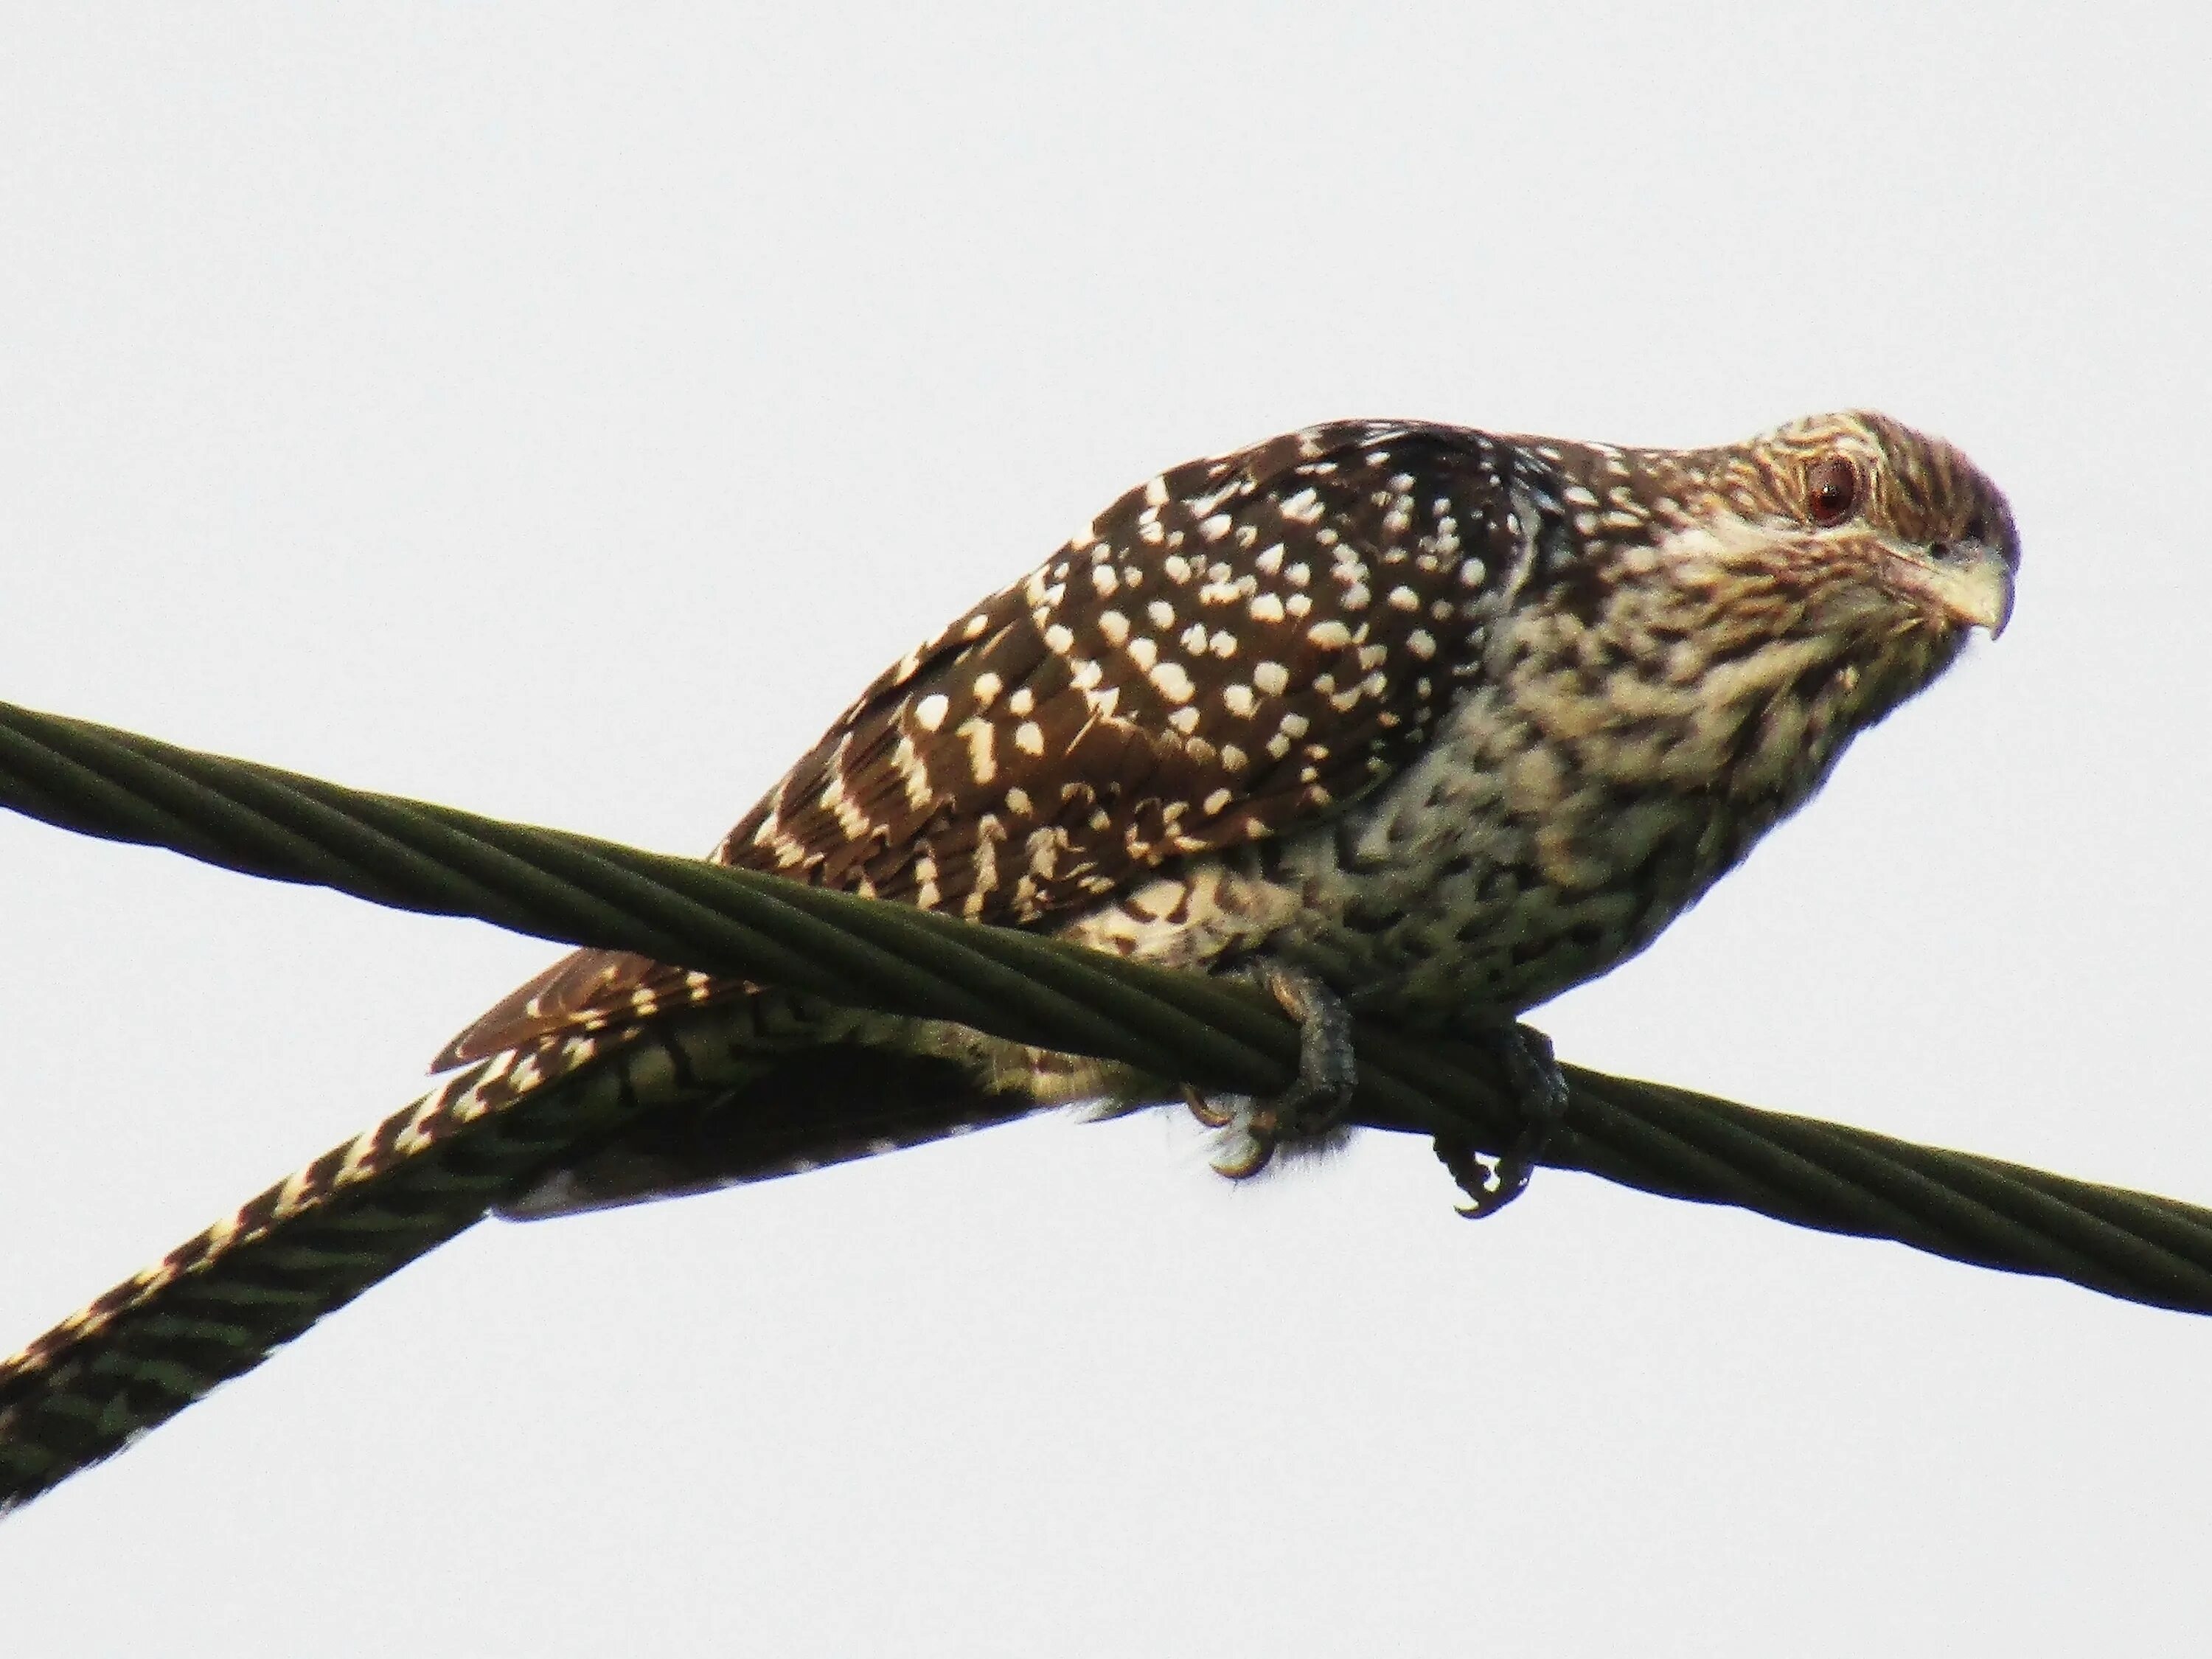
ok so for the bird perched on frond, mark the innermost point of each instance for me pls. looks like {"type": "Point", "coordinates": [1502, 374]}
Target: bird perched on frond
{"type": "Point", "coordinates": [1391, 718]}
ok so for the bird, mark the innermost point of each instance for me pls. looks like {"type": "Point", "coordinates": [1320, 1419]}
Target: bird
{"type": "Point", "coordinates": [1392, 719]}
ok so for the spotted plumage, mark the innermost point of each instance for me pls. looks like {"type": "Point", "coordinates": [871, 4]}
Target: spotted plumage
{"type": "Point", "coordinates": [1433, 722]}
{"type": "Point", "coordinates": [1239, 645]}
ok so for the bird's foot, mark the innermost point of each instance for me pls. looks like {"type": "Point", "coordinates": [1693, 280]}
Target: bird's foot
{"type": "Point", "coordinates": [1540, 1094]}
{"type": "Point", "coordinates": [1311, 1111]}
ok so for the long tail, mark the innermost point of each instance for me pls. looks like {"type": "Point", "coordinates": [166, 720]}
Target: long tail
{"type": "Point", "coordinates": [701, 1090]}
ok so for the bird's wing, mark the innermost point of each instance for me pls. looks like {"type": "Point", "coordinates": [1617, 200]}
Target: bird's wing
{"type": "Point", "coordinates": [1233, 648]}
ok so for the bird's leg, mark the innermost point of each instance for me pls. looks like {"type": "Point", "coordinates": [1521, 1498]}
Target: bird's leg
{"type": "Point", "coordinates": [1328, 1070]}
{"type": "Point", "coordinates": [1314, 1103]}
{"type": "Point", "coordinates": [1540, 1094]}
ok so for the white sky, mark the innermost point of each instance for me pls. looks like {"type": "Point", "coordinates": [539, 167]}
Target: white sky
{"type": "Point", "coordinates": [561, 411]}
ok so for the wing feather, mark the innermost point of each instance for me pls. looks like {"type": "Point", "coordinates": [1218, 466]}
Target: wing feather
{"type": "Point", "coordinates": [1241, 645]}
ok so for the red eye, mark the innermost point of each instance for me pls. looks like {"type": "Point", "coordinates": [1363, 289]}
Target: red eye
{"type": "Point", "coordinates": [1831, 490]}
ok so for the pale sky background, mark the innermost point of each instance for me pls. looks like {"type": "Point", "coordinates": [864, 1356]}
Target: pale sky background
{"type": "Point", "coordinates": [561, 411]}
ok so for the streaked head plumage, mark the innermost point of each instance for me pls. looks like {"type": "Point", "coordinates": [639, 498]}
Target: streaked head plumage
{"type": "Point", "coordinates": [1780, 594]}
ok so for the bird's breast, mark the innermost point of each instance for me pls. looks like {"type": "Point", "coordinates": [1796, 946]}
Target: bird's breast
{"type": "Point", "coordinates": [1498, 870]}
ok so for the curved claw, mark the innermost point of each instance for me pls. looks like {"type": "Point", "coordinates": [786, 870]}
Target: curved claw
{"type": "Point", "coordinates": [1201, 1106]}
{"type": "Point", "coordinates": [1540, 1091]}
{"type": "Point", "coordinates": [1248, 1158]}
{"type": "Point", "coordinates": [1307, 1113]}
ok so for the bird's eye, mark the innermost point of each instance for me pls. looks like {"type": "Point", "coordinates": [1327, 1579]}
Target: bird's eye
{"type": "Point", "coordinates": [1832, 489]}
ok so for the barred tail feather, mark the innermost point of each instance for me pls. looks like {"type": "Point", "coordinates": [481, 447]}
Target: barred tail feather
{"type": "Point", "coordinates": [218, 1305]}
{"type": "Point", "coordinates": [808, 1110]}
{"type": "Point", "coordinates": [724, 1094]}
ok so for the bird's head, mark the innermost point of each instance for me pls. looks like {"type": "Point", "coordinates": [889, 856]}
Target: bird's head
{"type": "Point", "coordinates": [1899, 521]}
{"type": "Point", "coordinates": [1780, 595]}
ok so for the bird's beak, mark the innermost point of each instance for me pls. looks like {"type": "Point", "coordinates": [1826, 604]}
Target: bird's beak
{"type": "Point", "coordinates": [1973, 583]}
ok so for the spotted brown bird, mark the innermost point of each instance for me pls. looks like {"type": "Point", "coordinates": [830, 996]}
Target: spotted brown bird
{"type": "Point", "coordinates": [1389, 717]}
